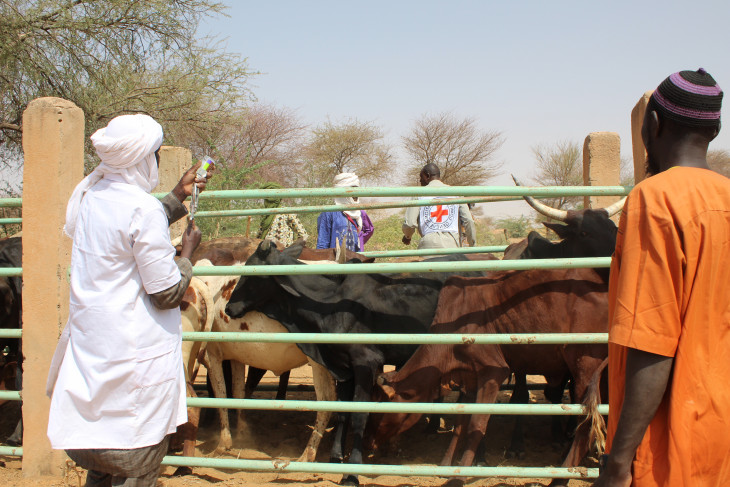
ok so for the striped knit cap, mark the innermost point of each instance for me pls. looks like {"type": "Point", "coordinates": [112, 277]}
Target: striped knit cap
{"type": "Point", "coordinates": [689, 97]}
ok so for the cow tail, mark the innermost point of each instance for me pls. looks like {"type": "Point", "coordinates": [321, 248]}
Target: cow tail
{"type": "Point", "coordinates": [592, 399]}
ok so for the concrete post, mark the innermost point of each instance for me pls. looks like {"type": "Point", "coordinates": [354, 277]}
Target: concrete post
{"type": "Point", "coordinates": [637, 120]}
{"type": "Point", "coordinates": [601, 165]}
{"type": "Point", "coordinates": [174, 161]}
{"type": "Point", "coordinates": [53, 147]}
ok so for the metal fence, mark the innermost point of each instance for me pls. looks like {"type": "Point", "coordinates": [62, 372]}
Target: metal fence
{"type": "Point", "coordinates": [454, 195]}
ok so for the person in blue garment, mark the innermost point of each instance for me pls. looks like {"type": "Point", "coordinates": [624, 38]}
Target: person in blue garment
{"type": "Point", "coordinates": [352, 226]}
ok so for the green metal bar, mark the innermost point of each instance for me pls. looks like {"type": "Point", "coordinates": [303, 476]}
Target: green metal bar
{"type": "Point", "coordinates": [456, 191]}
{"type": "Point", "coordinates": [394, 407]}
{"type": "Point", "coordinates": [10, 221]}
{"type": "Point", "coordinates": [282, 466]}
{"type": "Point", "coordinates": [11, 271]}
{"type": "Point", "coordinates": [11, 202]}
{"type": "Point", "coordinates": [376, 267]}
{"type": "Point", "coordinates": [11, 451]}
{"type": "Point", "coordinates": [359, 206]}
{"type": "Point", "coordinates": [426, 252]}
{"type": "Point", "coordinates": [399, 339]}
{"type": "Point", "coordinates": [10, 395]}
{"type": "Point", "coordinates": [11, 333]}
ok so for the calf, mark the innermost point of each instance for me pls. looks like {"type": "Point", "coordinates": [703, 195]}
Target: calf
{"type": "Point", "coordinates": [539, 301]}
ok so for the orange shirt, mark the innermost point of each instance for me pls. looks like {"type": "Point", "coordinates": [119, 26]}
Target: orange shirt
{"type": "Point", "coordinates": [669, 294]}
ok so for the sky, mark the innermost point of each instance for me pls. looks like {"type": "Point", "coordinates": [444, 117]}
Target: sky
{"type": "Point", "coordinates": [538, 72]}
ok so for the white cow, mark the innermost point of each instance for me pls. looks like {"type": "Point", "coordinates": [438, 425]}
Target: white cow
{"type": "Point", "coordinates": [277, 357]}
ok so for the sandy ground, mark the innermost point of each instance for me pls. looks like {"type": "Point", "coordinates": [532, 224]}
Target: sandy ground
{"type": "Point", "coordinates": [281, 434]}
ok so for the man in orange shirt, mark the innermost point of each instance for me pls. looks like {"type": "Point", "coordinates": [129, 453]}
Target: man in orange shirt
{"type": "Point", "coordinates": [669, 306]}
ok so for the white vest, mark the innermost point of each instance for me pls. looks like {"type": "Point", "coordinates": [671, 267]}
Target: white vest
{"type": "Point", "coordinates": [117, 377]}
{"type": "Point", "coordinates": [440, 218]}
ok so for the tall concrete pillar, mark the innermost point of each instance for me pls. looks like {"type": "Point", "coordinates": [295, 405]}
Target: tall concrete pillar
{"type": "Point", "coordinates": [601, 166]}
{"type": "Point", "coordinates": [53, 149]}
{"type": "Point", "coordinates": [174, 161]}
{"type": "Point", "coordinates": [639, 151]}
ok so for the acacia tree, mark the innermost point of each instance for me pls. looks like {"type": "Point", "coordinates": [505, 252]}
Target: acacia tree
{"type": "Point", "coordinates": [350, 146]}
{"type": "Point", "coordinates": [560, 164]}
{"type": "Point", "coordinates": [116, 56]}
{"type": "Point", "coordinates": [462, 151]}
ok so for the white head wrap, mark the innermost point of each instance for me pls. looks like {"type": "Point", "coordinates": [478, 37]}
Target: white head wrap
{"type": "Point", "coordinates": [348, 180]}
{"type": "Point", "coordinates": [126, 147]}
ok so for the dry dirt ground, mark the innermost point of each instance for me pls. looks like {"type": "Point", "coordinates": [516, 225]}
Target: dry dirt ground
{"type": "Point", "coordinates": [282, 434]}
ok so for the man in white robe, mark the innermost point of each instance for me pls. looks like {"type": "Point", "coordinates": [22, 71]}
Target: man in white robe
{"type": "Point", "coordinates": [116, 382]}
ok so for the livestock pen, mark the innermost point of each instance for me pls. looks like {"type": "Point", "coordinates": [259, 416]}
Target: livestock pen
{"type": "Point", "coordinates": [36, 451]}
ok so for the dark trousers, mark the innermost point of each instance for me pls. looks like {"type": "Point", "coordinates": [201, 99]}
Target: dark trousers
{"type": "Point", "coordinates": [138, 467]}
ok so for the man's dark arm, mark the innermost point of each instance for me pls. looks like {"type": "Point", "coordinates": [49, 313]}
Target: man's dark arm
{"type": "Point", "coordinates": [172, 297]}
{"type": "Point", "coordinates": [174, 209]}
{"type": "Point", "coordinates": [647, 376]}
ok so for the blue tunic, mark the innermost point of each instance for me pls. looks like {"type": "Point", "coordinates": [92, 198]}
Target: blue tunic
{"type": "Point", "coordinates": [333, 226]}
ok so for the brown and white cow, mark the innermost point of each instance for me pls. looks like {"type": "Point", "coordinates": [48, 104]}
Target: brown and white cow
{"type": "Point", "coordinates": [277, 357]}
{"type": "Point", "coordinates": [537, 301]}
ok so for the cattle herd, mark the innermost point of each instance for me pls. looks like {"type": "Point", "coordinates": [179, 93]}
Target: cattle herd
{"type": "Point", "coordinates": [534, 301]}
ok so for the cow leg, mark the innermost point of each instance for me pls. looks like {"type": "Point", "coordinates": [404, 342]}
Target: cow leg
{"type": "Point", "coordinates": [585, 366]}
{"type": "Point", "coordinates": [252, 380]}
{"type": "Point", "coordinates": [188, 432]}
{"type": "Point", "coordinates": [487, 391]}
{"type": "Point", "coordinates": [283, 383]}
{"type": "Point", "coordinates": [344, 393]}
{"type": "Point", "coordinates": [217, 382]}
{"type": "Point", "coordinates": [520, 395]}
{"type": "Point", "coordinates": [324, 388]}
{"type": "Point", "coordinates": [364, 381]}
{"type": "Point", "coordinates": [456, 440]}
{"type": "Point", "coordinates": [554, 394]}
{"type": "Point", "coordinates": [238, 374]}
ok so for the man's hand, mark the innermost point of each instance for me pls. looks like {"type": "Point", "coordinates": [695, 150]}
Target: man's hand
{"type": "Point", "coordinates": [184, 187]}
{"type": "Point", "coordinates": [406, 240]}
{"type": "Point", "coordinates": [190, 240]}
{"type": "Point", "coordinates": [609, 478]}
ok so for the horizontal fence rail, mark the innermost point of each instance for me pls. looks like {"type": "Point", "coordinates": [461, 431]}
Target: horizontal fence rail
{"type": "Point", "coordinates": [11, 271]}
{"type": "Point", "coordinates": [10, 333]}
{"type": "Point", "coordinates": [358, 206]}
{"type": "Point", "coordinates": [11, 202]}
{"type": "Point", "coordinates": [396, 267]}
{"type": "Point", "coordinates": [394, 407]}
{"type": "Point", "coordinates": [412, 191]}
{"type": "Point", "coordinates": [282, 466]}
{"type": "Point", "coordinates": [401, 339]}
{"type": "Point", "coordinates": [10, 395]}
{"type": "Point", "coordinates": [426, 252]}
{"type": "Point", "coordinates": [10, 221]}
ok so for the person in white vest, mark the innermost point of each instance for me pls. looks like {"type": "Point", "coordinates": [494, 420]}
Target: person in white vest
{"type": "Point", "coordinates": [437, 225]}
{"type": "Point", "coordinates": [116, 381]}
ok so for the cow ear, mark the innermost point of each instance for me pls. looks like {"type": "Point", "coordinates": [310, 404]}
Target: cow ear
{"type": "Point", "coordinates": [389, 391]}
{"type": "Point", "coordinates": [294, 250]}
{"type": "Point", "coordinates": [561, 230]}
{"type": "Point", "coordinates": [286, 285]}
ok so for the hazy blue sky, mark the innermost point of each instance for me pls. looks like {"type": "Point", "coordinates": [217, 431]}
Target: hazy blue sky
{"type": "Point", "coordinates": [539, 72]}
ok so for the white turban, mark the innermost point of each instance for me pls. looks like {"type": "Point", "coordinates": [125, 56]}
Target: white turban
{"type": "Point", "coordinates": [348, 180]}
{"type": "Point", "coordinates": [126, 147]}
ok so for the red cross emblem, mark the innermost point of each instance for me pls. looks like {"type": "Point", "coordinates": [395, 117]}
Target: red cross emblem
{"type": "Point", "coordinates": [439, 213]}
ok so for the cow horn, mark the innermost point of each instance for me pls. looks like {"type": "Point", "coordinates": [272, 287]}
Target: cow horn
{"type": "Point", "coordinates": [546, 210]}
{"type": "Point", "coordinates": [616, 207]}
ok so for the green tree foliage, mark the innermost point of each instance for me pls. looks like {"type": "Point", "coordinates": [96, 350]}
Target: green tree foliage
{"type": "Point", "coordinates": [560, 164]}
{"type": "Point", "coordinates": [117, 56]}
{"type": "Point", "coordinates": [463, 152]}
{"type": "Point", "coordinates": [515, 227]}
{"type": "Point", "coordinates": [349, 146]}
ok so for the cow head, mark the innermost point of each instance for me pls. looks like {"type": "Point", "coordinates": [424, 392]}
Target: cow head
{"type": "Point", "coordinates": [583, 233]}
{"type": "Point", "coordinates": [382, 427]}
{"type": "Point", "coordinates": [254, 291]}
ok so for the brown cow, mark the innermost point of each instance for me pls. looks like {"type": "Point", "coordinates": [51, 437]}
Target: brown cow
{"type": "Point", "coordinates": [537, 301]}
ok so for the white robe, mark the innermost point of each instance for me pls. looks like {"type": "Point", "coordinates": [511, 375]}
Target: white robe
{"type": "Point", "coordinates": [117, 376]}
